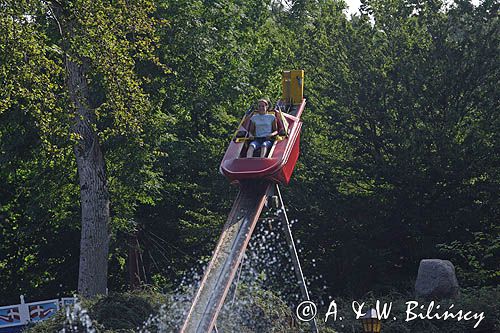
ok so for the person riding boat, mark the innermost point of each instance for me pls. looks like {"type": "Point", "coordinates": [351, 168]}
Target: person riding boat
{"type": "Point", "coordinates": [263, 129]}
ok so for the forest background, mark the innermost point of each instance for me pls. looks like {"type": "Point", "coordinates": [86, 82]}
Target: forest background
{"type": "Point", "coordinates": [399, 152]}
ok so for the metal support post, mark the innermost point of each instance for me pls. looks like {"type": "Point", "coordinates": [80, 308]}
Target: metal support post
{"type": "Point", "coordinates": [293, 253]}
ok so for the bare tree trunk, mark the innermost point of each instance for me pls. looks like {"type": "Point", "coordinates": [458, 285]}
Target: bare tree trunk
{"type": "Point", "coordinates": [94, 194]}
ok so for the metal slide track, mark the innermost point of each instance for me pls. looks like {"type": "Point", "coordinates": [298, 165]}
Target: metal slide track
{"type": "Point", "coordinates": [228, 254]}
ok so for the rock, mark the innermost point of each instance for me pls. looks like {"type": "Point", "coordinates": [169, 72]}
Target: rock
{"type": "Point", "coordinates": [436, 280]}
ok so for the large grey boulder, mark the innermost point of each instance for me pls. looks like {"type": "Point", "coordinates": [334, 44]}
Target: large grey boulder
{"type": "Point", "coordinates": [436, 280]}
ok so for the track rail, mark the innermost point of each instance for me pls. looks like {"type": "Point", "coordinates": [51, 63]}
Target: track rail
{"type": "Point", "coordinates": [230, 249]}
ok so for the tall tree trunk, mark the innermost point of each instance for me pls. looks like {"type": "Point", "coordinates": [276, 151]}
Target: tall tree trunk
{"type": "Point", "coordinates": [94, 194]}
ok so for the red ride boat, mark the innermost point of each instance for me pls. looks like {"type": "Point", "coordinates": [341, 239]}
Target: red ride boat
{"type": "Point", "coordinates": [278, 165]}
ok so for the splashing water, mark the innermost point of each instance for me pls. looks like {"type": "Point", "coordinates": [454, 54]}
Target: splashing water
{"type": "Point", "coordinates": [77, 320]}
{"type": "Point", "coordinates": [260, 298]}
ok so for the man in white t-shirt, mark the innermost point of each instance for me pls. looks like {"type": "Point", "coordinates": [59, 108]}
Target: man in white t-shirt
{"type": "Point", "coordinates": [263, 128]}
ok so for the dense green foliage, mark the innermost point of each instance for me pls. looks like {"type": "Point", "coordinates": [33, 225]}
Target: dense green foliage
{"type": "Point", "coordinates": [399, 150]}
{"type": "Point", "coordinates": [399, 157]}
{"type": "Point", "coordinates": [118, 312]}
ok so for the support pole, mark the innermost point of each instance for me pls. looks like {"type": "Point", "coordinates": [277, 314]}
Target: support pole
{"type": "Point", "coordinates": [293, 253]}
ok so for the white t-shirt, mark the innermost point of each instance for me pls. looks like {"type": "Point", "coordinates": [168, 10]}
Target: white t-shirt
{"type": "Point", "coordinates": [263, 124]}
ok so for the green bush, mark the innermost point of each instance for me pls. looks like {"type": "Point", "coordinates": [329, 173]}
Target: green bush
{"type": "Point", "coordinates": [117, 312]}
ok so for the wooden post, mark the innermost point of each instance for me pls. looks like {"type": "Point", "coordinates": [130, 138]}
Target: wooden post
{"type": "Point", "coordinates": [133, 261]}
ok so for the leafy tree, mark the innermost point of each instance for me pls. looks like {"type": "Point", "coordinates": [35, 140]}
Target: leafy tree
{"type": "Point", "coordinates": [92, 48]}
{"type": "Point", "coordinates": [385, 175]}
{"type": "Point", "coordinates": [222, 57]}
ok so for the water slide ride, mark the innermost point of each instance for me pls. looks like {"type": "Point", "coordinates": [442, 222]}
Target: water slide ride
{"type": "Point", "coordinates": [258, 179]}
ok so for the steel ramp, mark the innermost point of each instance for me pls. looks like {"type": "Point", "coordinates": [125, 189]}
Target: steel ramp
{"type": "Point", "coordinates": [228, 254]}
